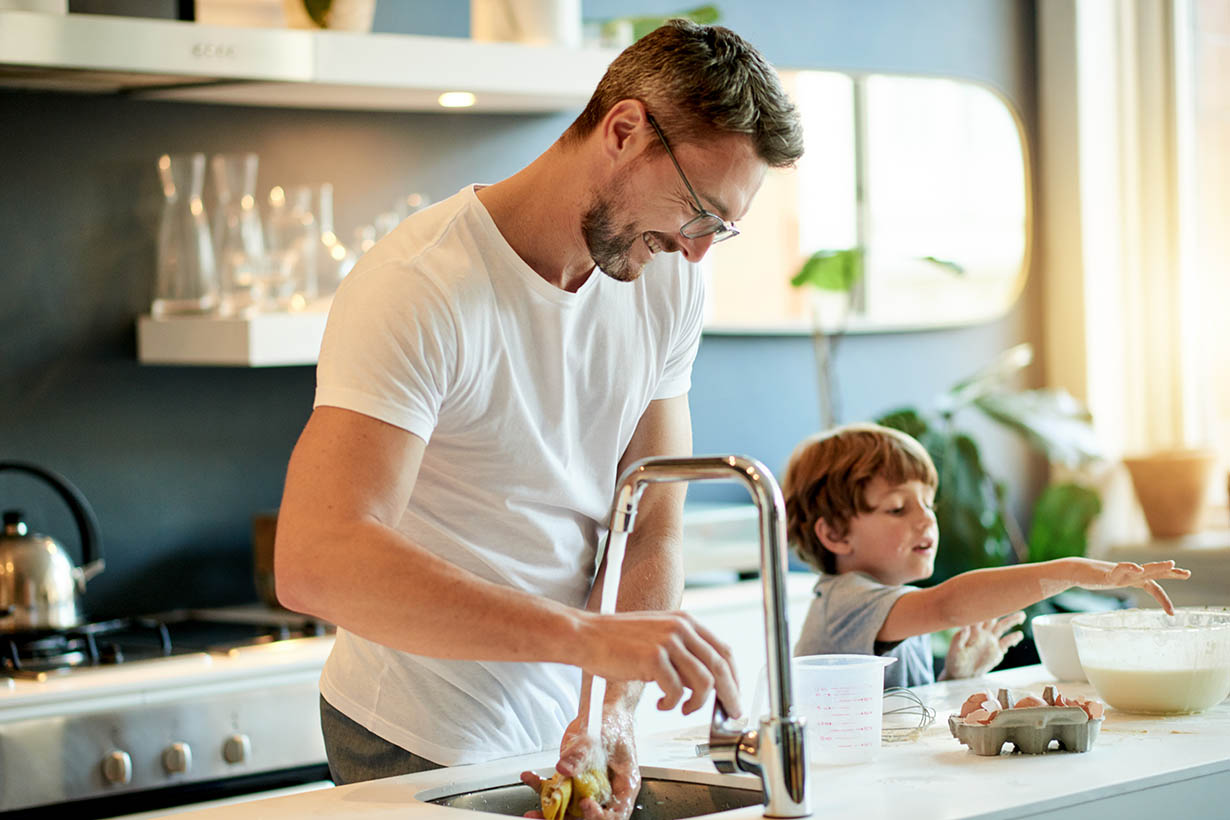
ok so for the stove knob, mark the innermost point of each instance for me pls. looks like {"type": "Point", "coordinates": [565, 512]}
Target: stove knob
{"type": "Point", "coordinates": [117, 768]}
{"type": "Point", "coordinates": [237, 748]}
{"type": "Point", "coordinates": [177, 758]}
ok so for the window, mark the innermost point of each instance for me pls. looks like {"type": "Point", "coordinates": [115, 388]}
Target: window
{"type": "Point", "coordinates": [941, 165]}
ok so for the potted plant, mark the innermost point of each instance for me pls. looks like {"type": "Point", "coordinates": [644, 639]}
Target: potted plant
{"type": "Point", "coordinates": [976, 525]}
{"type": "Point", "coordinates": [977, 528]}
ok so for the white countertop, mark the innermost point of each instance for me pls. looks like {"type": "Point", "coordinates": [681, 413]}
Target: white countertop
{"type": "Point", "coordinates": [1138, 767]}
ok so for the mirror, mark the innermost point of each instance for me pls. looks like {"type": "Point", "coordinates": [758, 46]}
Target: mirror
{"type": "Point", "coordinates": [944, 218]}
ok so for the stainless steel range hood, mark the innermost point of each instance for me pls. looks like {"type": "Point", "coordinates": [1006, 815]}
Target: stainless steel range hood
{"type": "Point", "coordinates": [167, 59]}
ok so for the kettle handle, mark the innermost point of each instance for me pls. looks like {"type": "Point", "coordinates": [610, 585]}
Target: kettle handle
{"type": "Point", "coordinates": [87, 524]}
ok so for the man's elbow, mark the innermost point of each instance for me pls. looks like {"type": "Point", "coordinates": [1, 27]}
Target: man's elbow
{"type": "Point", "coordinates": [294, 581]}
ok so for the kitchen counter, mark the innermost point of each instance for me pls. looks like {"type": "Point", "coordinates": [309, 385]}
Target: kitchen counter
{"type": "Point", "coordinates": [1139, 767]}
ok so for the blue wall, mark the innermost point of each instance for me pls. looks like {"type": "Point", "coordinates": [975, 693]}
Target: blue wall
{"type": "Point", "coordinates": [176, 460]}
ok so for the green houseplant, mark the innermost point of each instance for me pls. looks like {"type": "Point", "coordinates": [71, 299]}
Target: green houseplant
{"type": "Point", "coordinates": [977, 528]}
{"type": "Point", "coordinates": [976, 525]}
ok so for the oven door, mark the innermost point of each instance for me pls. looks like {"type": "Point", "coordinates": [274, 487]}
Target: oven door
{"type": "Point", "coordinates": [197, 744]}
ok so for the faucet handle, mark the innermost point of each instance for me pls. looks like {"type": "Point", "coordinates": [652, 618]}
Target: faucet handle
{"type": "Point", "coordinates": [727, 738]}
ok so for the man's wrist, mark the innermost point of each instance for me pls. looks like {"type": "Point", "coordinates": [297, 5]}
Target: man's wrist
{"type": "Point", "coordinates": [622, 697]}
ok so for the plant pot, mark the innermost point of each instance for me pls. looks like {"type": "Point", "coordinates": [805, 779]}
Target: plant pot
{"type": "Point", "coordinates": [1171, 487]}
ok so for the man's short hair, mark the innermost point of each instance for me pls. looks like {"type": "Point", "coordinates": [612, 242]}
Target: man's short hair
{"type": "Point", "coordinates": [696, 80]}
{"type": "Point", "coordinates": [827, 477]}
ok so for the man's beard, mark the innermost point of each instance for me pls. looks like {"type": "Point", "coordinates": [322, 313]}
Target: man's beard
{"type": "Point", "coordinates": [608, 246]}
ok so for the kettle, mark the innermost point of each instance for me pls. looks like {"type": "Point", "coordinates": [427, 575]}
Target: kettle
{"type": "Point", "coordinates": [40, 586]}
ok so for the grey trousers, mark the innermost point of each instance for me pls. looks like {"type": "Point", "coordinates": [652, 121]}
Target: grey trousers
{"type": "Point", "coordinates": [356, 754]}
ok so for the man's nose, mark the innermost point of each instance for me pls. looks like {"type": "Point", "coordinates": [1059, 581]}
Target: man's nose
{"type": "Point", "coordinates": [694, 250]}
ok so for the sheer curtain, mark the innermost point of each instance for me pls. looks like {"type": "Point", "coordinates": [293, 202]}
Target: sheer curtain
{"type": "Point", "coordinates": [1136, 311]}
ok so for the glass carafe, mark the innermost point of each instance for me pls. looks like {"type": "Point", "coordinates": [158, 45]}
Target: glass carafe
{"type": "Point", "coordinates": [239, 240]}
{"type": "Point", "coordinates": [186, 278]}
{"type": "Point", "coordinates": [294, 243]}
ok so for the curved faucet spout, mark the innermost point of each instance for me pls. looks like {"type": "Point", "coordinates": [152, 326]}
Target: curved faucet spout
{"type": "Point", "coordinates": [775, 752]}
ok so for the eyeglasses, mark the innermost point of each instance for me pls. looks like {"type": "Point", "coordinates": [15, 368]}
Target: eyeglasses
{"type": "Point", "coordinates": [705, 223]}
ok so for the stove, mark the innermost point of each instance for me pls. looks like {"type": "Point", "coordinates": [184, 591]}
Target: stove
{"type": "Point", "coordinates": [149, 712]}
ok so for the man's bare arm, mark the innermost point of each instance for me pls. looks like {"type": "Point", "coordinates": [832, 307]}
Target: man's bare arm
{"type": "Point", "coordinates": [340, 557]}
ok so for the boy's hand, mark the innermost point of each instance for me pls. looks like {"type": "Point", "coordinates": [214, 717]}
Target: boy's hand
{"type": "Point", "coordinates": [1106, 575]}
{"type": "Point", "coordinates": [978, 648]}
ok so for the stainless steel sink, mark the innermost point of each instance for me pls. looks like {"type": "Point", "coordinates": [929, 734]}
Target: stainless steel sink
{"type": "Point", "coordinates": [661, 798]}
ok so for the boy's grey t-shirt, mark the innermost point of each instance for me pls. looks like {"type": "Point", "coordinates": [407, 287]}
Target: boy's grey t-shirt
{"type": "Point", "coordinates": [848, 613]}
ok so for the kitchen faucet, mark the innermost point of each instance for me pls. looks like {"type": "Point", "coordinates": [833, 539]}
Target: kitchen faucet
{"type": "Point", "coordinates": [776, 751]}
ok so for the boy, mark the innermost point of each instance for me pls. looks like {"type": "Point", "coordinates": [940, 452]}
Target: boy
{"type": "Point", "coordinates": [859, 509]}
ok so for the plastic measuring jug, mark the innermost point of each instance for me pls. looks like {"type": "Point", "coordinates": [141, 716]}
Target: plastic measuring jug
{"type": "Point", "coordinates": [842, 697]}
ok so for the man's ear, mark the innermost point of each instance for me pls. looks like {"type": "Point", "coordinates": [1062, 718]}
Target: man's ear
{"type": "Point", "coordinates": [623, 128]}
{"type": "Point", "coordinates": [838, 545]}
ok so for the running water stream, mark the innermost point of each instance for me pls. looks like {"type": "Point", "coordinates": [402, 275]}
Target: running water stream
{"type": "Point", "coordinates": [616, 541]}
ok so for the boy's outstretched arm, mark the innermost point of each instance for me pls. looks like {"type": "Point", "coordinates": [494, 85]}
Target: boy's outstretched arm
{"type": "Point", "coordinates": [982, 594]}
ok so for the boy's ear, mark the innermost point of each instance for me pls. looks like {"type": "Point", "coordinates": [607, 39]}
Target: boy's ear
{"type": "Point", "coordinates": [829, 538]}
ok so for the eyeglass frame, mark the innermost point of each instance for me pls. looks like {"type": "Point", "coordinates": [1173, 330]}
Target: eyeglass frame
{"type": "Point", "coordinates": [723, 229]}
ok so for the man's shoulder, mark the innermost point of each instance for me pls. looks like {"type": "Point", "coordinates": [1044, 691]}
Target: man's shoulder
{"type": "Point", "coordinates": [428, 246]}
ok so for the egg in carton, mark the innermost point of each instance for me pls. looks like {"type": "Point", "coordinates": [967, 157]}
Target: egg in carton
{"type": "Point", "coordinates": [1026, 721]}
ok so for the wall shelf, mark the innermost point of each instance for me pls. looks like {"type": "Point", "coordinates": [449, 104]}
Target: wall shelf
{"type": "Point", "coordinates": [275, 67]}
{"type": "Point", "coordinates": [266, 340]}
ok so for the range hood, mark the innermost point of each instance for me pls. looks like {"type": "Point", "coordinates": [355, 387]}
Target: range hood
{"type": "Point", "coordinates": [175, 60]}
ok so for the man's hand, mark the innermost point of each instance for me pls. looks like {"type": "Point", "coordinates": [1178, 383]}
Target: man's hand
{"type": "Point", "coordinates": [978, 648]}
{"type": "Point", "coordinates": [580, 752]}
{"type": "Point", "coordinates": [670, 648]}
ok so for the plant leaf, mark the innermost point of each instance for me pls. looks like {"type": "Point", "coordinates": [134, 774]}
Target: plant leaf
{"type": "Point", "coordinates": [907, 420]}
{"type": "Point", "coordinates": [987, 379]}
{"type": "Point", "coordinates": [831, 270]}
{"type": "Point", "coordinates": [945, 263]}
{"type": "Point", "coordinates": [643, 24]}
{"type": "Point", "coordinates": [1062, 516]}
{"type": "Point", "coordinates": [1051, 420]}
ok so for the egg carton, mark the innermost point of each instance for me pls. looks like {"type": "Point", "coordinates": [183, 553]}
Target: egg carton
{"type": "Point", "coordinates": [1030, 729]}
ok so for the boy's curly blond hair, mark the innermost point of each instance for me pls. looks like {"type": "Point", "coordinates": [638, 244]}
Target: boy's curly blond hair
{"type": "Point", "coordinates": [827, 476]}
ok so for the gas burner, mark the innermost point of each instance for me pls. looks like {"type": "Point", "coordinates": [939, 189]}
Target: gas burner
{"type": "Point", "coordinates": [34, 654]}
{"type": "Point", "coordinates": [121, 640]}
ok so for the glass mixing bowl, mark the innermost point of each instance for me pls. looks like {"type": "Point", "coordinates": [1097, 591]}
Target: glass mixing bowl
{"type": "Point", "coordinates": [1148, 662]}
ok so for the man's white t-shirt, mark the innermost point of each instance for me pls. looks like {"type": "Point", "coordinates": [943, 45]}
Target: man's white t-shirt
{"type": "Point", "coordinates": [527, 396]}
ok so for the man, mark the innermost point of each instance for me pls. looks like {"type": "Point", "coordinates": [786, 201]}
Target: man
{"type": "Point", "coordinates": [487, 372]}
